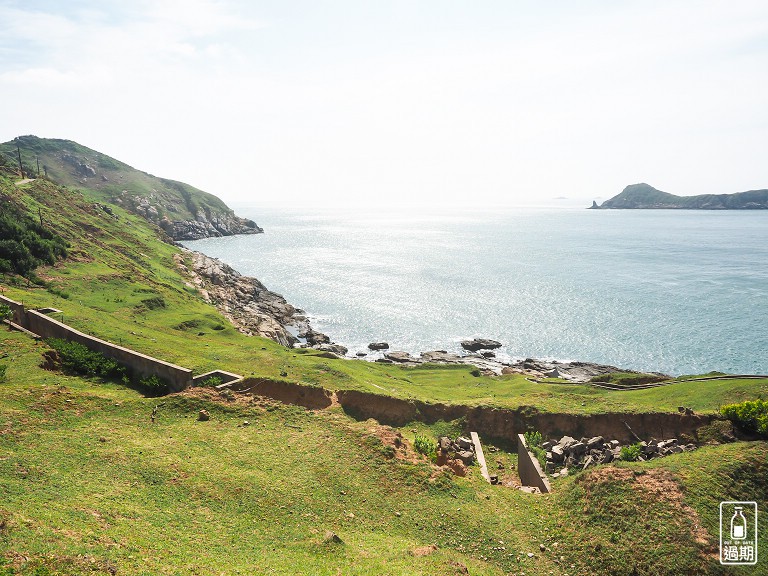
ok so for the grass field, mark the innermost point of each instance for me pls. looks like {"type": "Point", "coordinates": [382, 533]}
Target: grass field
{"type": "Point", "coordinates": [89, 484]}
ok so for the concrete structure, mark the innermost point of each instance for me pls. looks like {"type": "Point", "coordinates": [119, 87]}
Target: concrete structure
{"type": "Point", "coordinates": [178, 378]}
{"type": "Point", "coordinates": [227, 378]}
{"type": "Point", "coordinates": [529, 468]}
{"type": "Point", "coordinates": [480, 456]}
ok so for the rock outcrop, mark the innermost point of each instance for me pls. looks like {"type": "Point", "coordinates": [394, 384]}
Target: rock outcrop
{"type": "Point", "coordinates": [207, 226]}
{"type": "Point", "coordinates": [480, 344]}
{"type": "Point", "coordinates": [245, 301]}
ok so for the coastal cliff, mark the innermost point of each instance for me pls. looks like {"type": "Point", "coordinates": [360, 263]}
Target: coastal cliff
{"type": "Point", "coordinates": [645, 197]}
{"type": "Point", "coordinates": [247, 303]}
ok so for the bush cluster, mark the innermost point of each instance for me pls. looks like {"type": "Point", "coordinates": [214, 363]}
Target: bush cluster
{"type": "Point", "coordinates": [212, 382]}
{"type": "Point", "coordinates": [631, 453]}
{"type": "Point", "coordinates": [534, 440]}
{"type": "Point", "coordinates": [78, 358]}
{"type": "Point", "coordinates": [751, 416]}
{"type": "Point", "coordinates": [154, 385]}
{"type": "Point", "coordinates": [25, 244]}
{"type": "Point", "coordinates": [425, 445]}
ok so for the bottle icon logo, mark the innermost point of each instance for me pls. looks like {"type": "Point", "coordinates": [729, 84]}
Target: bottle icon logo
{"type": "Point", "coordinates": [738, 533]}
{"type": "Point", "coordinates": [738, 524]}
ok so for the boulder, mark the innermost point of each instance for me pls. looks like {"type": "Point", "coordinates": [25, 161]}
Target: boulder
{"type": "Point", "coordinates": [577, 449]}
{"type": "Point", "coordinates": [378, 346]}
{"type": "Point", "coordinates": [203, 416]}
{"type": "Point", "coordinates": [595, 442]}
{"type": "Point", "coordinates": [334, 348]}
{"type": "Point", "coordinates": [566, 441]}
{"type": "Point", "coordinates": [480, 344]}
{"type": "Point", "coordinates": [464, 443]}
{"type": "Point", "coordinates": [466, 456]}
{"type": "Point", "coordinates": [400, 357]}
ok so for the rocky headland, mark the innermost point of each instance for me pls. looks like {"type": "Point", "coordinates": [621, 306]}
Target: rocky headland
{"type": "Point", "coordinates": [246, 302]}
{"type": "Point", "coordinates": [182, 211]}
{"type": "Point", "coordinates": [646, 197]}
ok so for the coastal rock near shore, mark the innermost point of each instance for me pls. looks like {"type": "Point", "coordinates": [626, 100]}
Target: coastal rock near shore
{"type": "Point", "coordinates": [480, 344]}
{"type": "Point", "coordinates": [206, 226]}
{"type": "Point", "coordinates": [245, 301]}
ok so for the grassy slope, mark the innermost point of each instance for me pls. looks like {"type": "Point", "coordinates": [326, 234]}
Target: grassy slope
{"type": "Point", "coordinates": [186, 497]}
{"type": "Point", "coordinates": [116, 265]}
{"type": "Point", "coordinates": [118, 176]}
{"type": "Point", "coordinates": [91, 485]}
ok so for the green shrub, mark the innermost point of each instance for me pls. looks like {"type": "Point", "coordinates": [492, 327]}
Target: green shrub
{"type": "Point", "coordinates": [3, 368]}
{"type": "Point", "coordinates": [750, 416]}
{"type": "Point", "coordinates": [5, 312]}
{"type": "Point", "coordinates": [212, 382]}
{"type": "Point", "coordinates": [58, 292]}
{"type": "Point", "coordinates": [425, 445]}
{"type": "Point", "coordinates": [533, 439]}
{"type": "Point", "coordinates": [154, 303]}
{"type": "Point", "coordinates": [631, 453]}
{"type": "Point", "coordinates": [76, 357]}
{"type": "Point", "coordinates": [154, 385]}
{"type": "Point", "coordinates": [25, 244]}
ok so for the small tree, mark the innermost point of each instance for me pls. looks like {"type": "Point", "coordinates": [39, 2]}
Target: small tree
{"type": "Point", "coordinates": [6, 314]}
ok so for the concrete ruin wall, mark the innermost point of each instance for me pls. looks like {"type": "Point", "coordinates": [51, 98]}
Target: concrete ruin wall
{"type": "Point", "coordinates": [529, 469]}
{"type": "Point", "coordinates": [16, 308]}
{"type": "Point", "coordinates": [178, 378]}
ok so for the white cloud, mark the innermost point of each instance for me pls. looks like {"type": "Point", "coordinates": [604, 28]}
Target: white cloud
{"type": "Point", "coordinates": [401, 103]}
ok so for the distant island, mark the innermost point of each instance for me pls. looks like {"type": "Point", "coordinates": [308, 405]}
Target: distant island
{"type": "Point", "coordinates": [643, 196]}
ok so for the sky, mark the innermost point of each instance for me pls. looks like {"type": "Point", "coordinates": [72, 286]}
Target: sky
{"type": "Point", "coordinates": [397, 103]}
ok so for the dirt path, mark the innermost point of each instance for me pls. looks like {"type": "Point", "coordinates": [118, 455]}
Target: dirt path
{"type": "Point", "coordinates": [25, 181]}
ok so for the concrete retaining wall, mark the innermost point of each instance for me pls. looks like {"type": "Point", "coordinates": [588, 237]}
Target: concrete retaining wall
{"type": "Point", "coordinates": [529, 468]}
{"type": "Point", "coordinates": [178, 378]}
{"type": "Point", "coordinates": [16, 307]}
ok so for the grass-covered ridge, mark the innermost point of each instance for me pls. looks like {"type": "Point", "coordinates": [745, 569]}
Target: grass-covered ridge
{"type": "Point", "coordinates": [104, 178]}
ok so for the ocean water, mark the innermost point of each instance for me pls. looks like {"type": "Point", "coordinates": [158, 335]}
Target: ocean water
{"type": "Point", "coordinates": [679, 292]}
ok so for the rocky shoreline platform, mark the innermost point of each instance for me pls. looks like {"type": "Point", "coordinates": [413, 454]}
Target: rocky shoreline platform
{"type": "Point", "coordinates": [257, 311]}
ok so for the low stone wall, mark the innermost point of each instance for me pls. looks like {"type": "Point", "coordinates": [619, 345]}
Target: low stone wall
{"type": "Point", "coordinates": [529, 468]}
{"type": "Point", "coordinates": [178, 378]}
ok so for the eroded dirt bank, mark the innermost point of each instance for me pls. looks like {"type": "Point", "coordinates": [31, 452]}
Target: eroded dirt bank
{"type": "Point", "coordinates": [491, 423]}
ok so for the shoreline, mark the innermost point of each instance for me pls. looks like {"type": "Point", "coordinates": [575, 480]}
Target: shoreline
{"type": "Point", "coordinates": [256, 311]}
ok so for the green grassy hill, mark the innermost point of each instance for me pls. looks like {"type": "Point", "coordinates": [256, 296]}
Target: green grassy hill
{"type": "Point", "coordinates": [89, 484]}
{"type": "Point", "coordinates": [643, 196]}
{"type": "Point", "coordinates": [183, 211]}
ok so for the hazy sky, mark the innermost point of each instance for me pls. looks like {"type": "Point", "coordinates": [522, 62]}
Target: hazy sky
{"type": "Point", "coordinates": [399, 101]}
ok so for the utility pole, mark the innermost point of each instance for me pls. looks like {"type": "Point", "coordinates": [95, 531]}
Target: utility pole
{"type": "Point", "coordinates": [40, 213]}
{"type": "Point", "coordinates": [38, 165]}
{"type": "Point", "coordinates": [18, 151]}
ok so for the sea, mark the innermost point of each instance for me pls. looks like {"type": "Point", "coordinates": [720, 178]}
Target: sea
{"type": "Point", "coordinates": [672, 291]}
